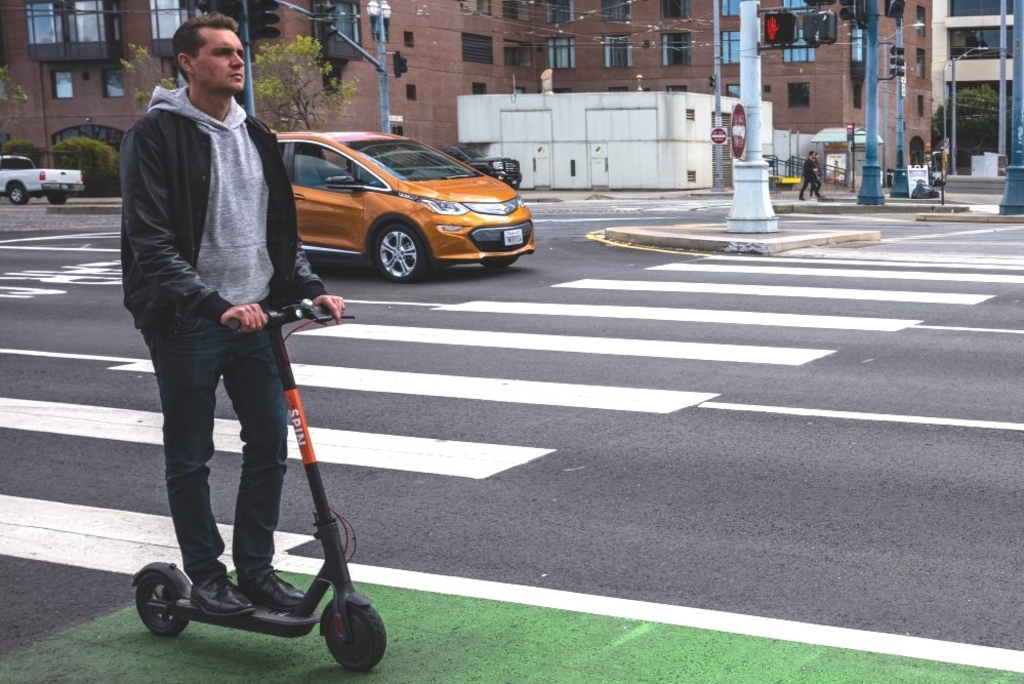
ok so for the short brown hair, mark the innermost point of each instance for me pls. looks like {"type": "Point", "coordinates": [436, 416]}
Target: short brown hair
{"type": "Point", "coordinates": [187, 38]}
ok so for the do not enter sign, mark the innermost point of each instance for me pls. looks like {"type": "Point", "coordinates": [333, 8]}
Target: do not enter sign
{"type": "Point", "coordinates": [719, 135]}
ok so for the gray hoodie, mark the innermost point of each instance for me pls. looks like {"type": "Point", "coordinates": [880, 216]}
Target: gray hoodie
{"type": "Point", "coordinates": [233, 257]}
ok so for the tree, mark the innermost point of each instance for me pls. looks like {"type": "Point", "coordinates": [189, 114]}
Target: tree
{"type": "Point", "coordinates": [12, 98]}
{"type": "Point", "coordinates": [144, 73]}
{"type": "Point", "coordinates": [294, 87]}
{"type": "Point", "coordinates": [977, 122]}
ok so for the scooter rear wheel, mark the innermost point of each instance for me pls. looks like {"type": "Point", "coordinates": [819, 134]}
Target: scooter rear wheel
{"type": "Point", "coordinates": [366, 644]}
{"type": "Point", "coordinates": [154, 587]}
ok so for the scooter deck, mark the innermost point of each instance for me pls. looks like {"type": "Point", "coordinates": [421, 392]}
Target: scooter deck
{"type": "Point", "coordinates": [263, 620]}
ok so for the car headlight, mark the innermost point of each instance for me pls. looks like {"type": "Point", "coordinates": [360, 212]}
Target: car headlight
{"type": "Point", "coordinates": [498, 166]}
{"type": "Point", "coordinates": [445, 207]}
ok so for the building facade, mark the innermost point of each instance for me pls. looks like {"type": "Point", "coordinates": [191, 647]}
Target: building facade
{"type": "Point", "coordinates": [67, 55]}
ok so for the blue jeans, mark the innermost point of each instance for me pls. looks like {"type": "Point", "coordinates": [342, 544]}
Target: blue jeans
{"type": "Point", "coordinates": [189, 363]}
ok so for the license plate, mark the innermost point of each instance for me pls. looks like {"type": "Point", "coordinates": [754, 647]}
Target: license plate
{"type": "Point", "coordinates": [513, 237]}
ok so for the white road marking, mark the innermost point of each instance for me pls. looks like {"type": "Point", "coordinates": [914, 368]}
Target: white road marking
{"type": "Point", "coordinates": [662, 349]}
{"type": "Point", "coordinates": [651, 313]}
{"type": "Point", "coordinates": [778, 291]}
{"type": "Point", "coordinates": [485, 389]}
{"type": "Point", "coordinates": [842, 273]}
{"type": "Point", "coordinates": [857, 415]}
{"type": "Point", "coordinates": [410, 454]}
{"type": "Point", "coordinates": [124, 542]}
{"type": "Point", "coordinates": [991, 266]}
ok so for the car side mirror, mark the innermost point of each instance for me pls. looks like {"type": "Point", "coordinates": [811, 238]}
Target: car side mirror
{"type": "Point", "coordinates": [342, 182]}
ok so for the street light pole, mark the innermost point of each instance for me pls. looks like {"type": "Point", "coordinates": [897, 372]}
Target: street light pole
{"type": "Point", "coordinates": [380, 17]}
{"type": "Point", "coordinates": [1013, 195]}
{"type": "Point", "coordinates": [871, 174]}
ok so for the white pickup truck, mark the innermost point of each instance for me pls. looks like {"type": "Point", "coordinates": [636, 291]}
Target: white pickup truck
{"type": "Point", "coordinates": [20, 180]}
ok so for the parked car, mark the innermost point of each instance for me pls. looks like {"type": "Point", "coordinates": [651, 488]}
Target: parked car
{"type": "Point", "coordinates": [504, 169]}
{"type": "Point", "coordinates": [20, 180]}
{"type": "Point", "coordinates": [404, 207]}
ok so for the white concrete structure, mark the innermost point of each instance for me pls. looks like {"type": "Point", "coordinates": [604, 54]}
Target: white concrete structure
{"type": "Point", "coordinates": [603, 141]}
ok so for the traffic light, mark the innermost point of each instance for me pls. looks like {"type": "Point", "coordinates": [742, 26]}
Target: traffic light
{"type": "Point", "coordinates": [779, 28]}
{"type": "Point", "coordinates": [262, 17]}
{"type": "Point", "coordinates": [894, 8]}
{"type": "Point", "coordinates": [820, 28]}
{"type": "Point", "coordinates": [400, 64]}
{"type": "Point", "coordinates": [855, 10]}
{"type": "Point", "coordinates": [897, 65]}
{"type": "Point", "coordinates": [233, 8]}
{"type": "Point", "coordinates": [711, 82]}
{"type": "Point", "coordinates": [324, 21]}
{"type": "Point", "coordinates": [207, 6]}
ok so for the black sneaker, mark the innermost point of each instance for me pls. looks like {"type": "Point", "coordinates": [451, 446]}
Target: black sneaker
{"type": "Point", "coordinates": [218, 596]}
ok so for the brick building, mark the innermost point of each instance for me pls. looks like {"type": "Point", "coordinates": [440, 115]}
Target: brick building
{"type": "Point", "coordinates": [66, 54]}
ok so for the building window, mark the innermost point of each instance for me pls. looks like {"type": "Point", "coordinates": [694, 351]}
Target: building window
{"type": "Point", "coordinates": [559, 11]}
{"type": "Point", "coordinates": [410, 92]}
{"type": "Point", "coordinates": [477, 7]}
{"type": "Point", "coordinates": [730, 8]}
{"type": "Point", "coordinates": [82, 21]}
{"type": "Point", "coordinates": [730, 47]}
{"type": "Point", "coordinates": [732, 89]}
{"type": "Point", "coordinates": [165, 16]}
{"type": "Point", "coordinates": [676, 49]}
{"type": "Point", "coordinates": [921, 15]}
{"type": "Point", "coordinates": [858, 90]}
{"type": "Point", "coordinates": [517, 54]}
{"type": "Point", "coordinates": [800, 52]}
{"type": "Point", "coordinates": [479, 88]}
{"type": "Point", "coordinates": [977, 8]}
{"type": "Point", "coordinates": [856, 44]}
{"type": "Point", "coordinates": [113, 83]}
{"type": "Point", "coordinates": [983, 42]}
{"type": "Point", "coordinates": [920, 105]}
{"type": "Point", "coordinates": [920, 60]}
{"type": "Point", "coordinates": [799, 94]}
{"type": "Point", "coordinates": [618, 89]}
{"type": "Point", "coordinates": [618, 51]}
{"type": "Point", "coordinates": [62, 86]}
{"type": "Point", "coordinates": [562, 53]}
{"type": "Point", "coordinates": [513, 9]}
{"type": "Point", "coordinates": [408, 39]}
{"type": "Point", "coordinates": [477, 48]}
{"type": "Point", "coordinates": [675, 9]}
{"type": "Point", "coordinates": [676, 89]}
{"type": "Point", "coordinates": [615, 10]}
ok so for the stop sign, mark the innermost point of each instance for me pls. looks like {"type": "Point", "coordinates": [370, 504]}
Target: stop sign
{"type": "Point", "coordinates": [719, 135]}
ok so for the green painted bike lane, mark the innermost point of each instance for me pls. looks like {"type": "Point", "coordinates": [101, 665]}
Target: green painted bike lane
{"type": "Point", "coordinates": [444, 639]}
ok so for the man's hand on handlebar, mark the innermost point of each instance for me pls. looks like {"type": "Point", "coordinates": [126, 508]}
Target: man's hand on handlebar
{"type": "Point", "coordinates": [334, 305]}
{"type": "Point", "coordinates": [248, 317]}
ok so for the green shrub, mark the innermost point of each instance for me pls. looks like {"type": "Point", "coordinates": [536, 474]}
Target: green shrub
{"type": "Point", "coordinates": [24, 148]}
{"type": "Point", "coordinates": [97, 161]}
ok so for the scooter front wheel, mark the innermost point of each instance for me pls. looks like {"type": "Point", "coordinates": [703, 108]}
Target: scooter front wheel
{"type": "Point", "coordinates": [364, 647]}
{"type": "Point", "coordinates": [153, 594]}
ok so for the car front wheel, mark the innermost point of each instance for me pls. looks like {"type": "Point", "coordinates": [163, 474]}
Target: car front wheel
{"type": "Point", "coordinates": [17, 194]}
{"type": "Point", "coordinates": [399, 254]}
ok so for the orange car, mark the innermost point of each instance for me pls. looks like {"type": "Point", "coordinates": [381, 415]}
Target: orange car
{"type": "Point", "coordinates": [406, 208]}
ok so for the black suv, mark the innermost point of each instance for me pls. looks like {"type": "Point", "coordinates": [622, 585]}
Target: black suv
{"type": "Point", "coordinates": [502, 168]}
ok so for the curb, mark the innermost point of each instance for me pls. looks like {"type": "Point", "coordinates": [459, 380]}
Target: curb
{"type": "Point", "coordinates": [701, 240]}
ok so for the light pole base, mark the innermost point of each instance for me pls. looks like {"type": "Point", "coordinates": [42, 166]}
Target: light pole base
{"type": "Point", "coordinates": [871, 185]}
{"type": "Point", "coordinates": [899, 183]}
{"type": "Point", "coordinates": [751, 204]}
{"type": "Point", "coordinates": [1013, 197]}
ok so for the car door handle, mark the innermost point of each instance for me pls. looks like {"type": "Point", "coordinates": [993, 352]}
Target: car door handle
{"type": "Point", "coordinates": [298, 197]}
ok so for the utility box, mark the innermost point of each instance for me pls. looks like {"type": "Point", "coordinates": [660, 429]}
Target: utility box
{"type": "Point", "coordinates": [988, 165]}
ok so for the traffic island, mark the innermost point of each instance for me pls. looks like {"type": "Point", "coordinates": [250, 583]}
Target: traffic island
{"type": "Point", "coordinates": [708, 238]}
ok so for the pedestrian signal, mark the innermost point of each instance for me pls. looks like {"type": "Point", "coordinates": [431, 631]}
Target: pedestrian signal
{"type": "Point", "coordinates": [780, 28]}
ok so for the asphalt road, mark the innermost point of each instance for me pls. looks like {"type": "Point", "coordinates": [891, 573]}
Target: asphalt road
{"type": "Point", "coordinates": [826, 471]}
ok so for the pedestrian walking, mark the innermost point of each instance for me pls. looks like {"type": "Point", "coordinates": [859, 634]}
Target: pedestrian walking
{"type": "Point", "coordinates": [810, 175]}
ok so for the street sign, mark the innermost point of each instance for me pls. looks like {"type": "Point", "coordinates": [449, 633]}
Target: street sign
{"type": "Point", "coordinates": [395, 118]}
{"type": "Point", "coordinates": [739, 131]}
{"type": "Point", "coordinates": [719, 135]}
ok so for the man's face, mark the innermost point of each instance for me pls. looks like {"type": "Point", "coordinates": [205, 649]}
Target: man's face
{"type": "Point", "coordinates": [218, 68]}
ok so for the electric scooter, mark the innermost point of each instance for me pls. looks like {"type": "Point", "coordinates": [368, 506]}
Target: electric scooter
{"type": "Point", "coordinates": [353, 630]}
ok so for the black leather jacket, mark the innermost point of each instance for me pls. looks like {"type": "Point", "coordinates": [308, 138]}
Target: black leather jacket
{"type": "Point", "coordinates": [165, 185]}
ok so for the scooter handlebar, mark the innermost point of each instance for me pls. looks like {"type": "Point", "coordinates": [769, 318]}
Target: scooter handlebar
{"type": "Point", "coordinates": [304, 310]}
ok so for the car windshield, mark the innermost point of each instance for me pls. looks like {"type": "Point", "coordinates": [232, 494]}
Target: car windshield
{"type": "Point", "coordinates": [409, 160]}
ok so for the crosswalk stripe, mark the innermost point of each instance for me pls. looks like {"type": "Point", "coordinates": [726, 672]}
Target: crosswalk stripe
{"type": "Point", "coordinates": [485, 389]}
{"type": "Point", "coordinates": [652, 313]}
{"type": "Point", "coordinates": [962, 265]}
{"type": "Point", "coordinates": [662, 349]}
{"type": "Point", "coordinates": [412, 454]}
{"type": "Point", "coordinates": [842, 273]}
{"type": "Point", "coordinates": [777, 291]}
{"type": "Point", "coordinates": [123, 542]}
